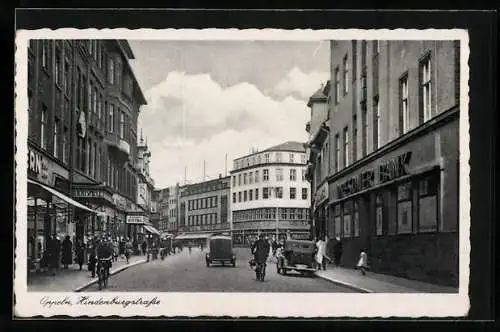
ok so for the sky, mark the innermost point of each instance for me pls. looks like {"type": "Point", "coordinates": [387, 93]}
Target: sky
{"type": "Point", "coordinates": [209, 99]}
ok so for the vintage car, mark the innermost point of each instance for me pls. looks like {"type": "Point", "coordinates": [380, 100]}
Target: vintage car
{"type": "Point", "coordinates": [296, 255]}
{"type": "Point", "coordinates": [220, 249]}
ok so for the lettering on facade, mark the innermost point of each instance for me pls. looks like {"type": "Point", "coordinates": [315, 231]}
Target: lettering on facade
{"type": "Point", "coordinates": [40, 167]}
{"type": "Point", "coordinates": [131, 219]}
{"type": "Point", "coordinates": [384, 172]}
{"type": "Point", "coordinates": [321, 194]}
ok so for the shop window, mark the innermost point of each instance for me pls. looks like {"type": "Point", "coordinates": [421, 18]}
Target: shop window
{"type": "Point", "coordinates": [337, 221]}
{"type": "Point", "coordinates": [428, 203]}
{"type": "Point", "coordinates": [379, 215]}
{"type": "Point", "coordinates": [404, 208]}
{"type": "Point", "coordinates": [347, 219]}
{"type": "Point", "coordinates": [356, 219]}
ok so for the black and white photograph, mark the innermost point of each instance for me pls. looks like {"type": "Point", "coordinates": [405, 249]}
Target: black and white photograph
{"type": "Point", "coordinates": [242, 172]}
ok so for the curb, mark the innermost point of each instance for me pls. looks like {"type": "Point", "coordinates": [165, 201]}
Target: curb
{"type": "Point", "coordinates": [345, 284]}
{"type": "Point", "coordinates": [111, 273]}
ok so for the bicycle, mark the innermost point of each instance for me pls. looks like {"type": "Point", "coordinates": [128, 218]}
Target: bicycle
{"type": "Point", "coordinates": [103, 271]}
{"type": "Point", "coordinates": [260, 271]}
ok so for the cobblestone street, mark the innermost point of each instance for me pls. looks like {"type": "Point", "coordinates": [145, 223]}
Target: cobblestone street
{"type": "Point", "coordinates": [186, 272]}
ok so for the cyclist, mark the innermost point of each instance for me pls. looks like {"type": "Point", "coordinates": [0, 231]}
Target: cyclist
{"type": "Point", "coordinates": [260, 250]}
{"type": "Point", "coordinates": [104, 254]}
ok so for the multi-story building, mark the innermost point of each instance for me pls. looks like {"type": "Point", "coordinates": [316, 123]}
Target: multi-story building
{"type": "Point", "coordinates": [173, 208]}
{"type": "Point", "coordinates": [84, 102]}
{"type": "Point", "coordinates": [270, 194]}
{"type": "Point", "coordinates": [318, 153]}
{"type": "Point", "coordinates": [394, 156]}
{"type": "Point", "coordinates": [204, 208]}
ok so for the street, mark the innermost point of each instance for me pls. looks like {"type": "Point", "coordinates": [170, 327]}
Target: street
{"type": "Point", "coordinates": [184, 272]}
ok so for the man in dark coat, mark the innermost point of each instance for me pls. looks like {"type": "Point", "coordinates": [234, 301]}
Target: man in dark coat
{"type": "Point", "coordinates": [144, 246]}
{"type": "Point", "coordinates": [80, 253]}
{"type": "Point", "coordinates": [67, 250]}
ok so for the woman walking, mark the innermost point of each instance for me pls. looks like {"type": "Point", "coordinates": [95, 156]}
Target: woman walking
{"type": "Point", "coordinates": [67, 248]}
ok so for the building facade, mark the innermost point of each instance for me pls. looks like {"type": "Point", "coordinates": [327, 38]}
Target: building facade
{"type": "Point", "coordinates": [161, 203]}
{"type": "Point", "coordinates": [394, 156]}
{"type": "Point", "coordinates": [270, 193]}
{"type": "Point", "coordinates": [84, 102]}
{"type": "Point", "coordinates": [204, 207]}
{"type": "Point", "coordinates": [173, 209]}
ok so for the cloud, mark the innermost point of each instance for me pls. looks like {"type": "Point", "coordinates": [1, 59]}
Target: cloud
{"type": "Point", "coordinates": [302, 84]}
{"type": "Point", "coordinates": [192, 118]}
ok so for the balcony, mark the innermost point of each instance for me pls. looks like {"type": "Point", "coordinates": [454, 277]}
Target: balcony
{"type": "Point", "coordinates": [117, 147]}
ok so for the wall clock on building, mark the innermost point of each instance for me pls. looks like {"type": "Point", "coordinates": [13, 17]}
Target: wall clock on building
{"type": "Point", "coordinates": [82, 124]}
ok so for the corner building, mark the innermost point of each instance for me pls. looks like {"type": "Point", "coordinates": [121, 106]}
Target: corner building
{"type": "Point", "coordinates": [394, 156]}
{"type": "Point", "coordinates": [270, 194]}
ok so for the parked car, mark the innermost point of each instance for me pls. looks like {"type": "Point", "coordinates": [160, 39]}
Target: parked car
{"type": "Point", "coordinates": [220, 249]}
{"type": "Point", "coordinates": [296, 255]}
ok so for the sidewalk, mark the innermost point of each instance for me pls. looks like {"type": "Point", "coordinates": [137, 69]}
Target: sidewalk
{"type": "Point", "coordinates": [72, 279]}
{"type": "Point", "coordinates": [379, 283]}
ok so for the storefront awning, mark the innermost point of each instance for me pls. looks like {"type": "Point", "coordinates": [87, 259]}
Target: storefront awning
{"type": "Point", "coordinates": [151, 230]}
{"type": "Point", "coordinates": [193, 236]}
{"type": "Point", "coordinates": [62, 196]}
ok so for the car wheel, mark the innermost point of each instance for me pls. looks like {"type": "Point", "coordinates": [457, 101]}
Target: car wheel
{"type": "Point", "coordinates": [283, 271]}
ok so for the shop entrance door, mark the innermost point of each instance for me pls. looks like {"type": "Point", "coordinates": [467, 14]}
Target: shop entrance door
{"type": "Point", "coordinates": [366, 221]}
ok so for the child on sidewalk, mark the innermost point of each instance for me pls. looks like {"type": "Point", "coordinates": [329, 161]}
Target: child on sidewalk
{"type": "Point", "coordinates": [363, 262]}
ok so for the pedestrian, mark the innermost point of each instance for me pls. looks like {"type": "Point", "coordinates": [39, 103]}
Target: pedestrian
{"type": "Point", "coordinates": [337, 252]}
{"type": "Point", "coordinates": [115, 250]}
{"type": "Point", "coordinates": [67, 251]}
{"type": "Point", "coordinates": [320, 253]}
{"type": "Point", "coordinates": [80, 253]}
{"type": "Point", "coordinates": [144, 246]}
{"type": "Point", "coordinates": [362, 262]}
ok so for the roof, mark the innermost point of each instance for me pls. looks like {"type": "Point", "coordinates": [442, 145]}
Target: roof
{"type": "Point", "coordinates": [318, 96]}
{"type": "Point", "coordinates": [127, 52]}
{"type": "Point", "coordinates": [288, 146]}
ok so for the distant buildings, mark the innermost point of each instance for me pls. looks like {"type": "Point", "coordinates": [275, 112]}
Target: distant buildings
{"type": "Point", "coordinates": [269, 193]}
{"type": "Point", "coordinates": [384, 156]}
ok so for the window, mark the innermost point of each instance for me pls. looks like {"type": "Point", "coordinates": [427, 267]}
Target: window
{"type": "Point", "coordinates": [245, 196]}
{"type": "Point", "coordinates": [376, 47]}
{"type": "Point", "coordinates": [303, 159]}
{"type": "Point", "coordinates": [265, 193]}
{"type": "Point", "coordinates": [239, 196]}
{"type": "Point", "coordinates": [43, 127]}
{"type": "Point", "coordinates": [428, 203]}
{"type": "Point", "coordinates": [293, 193]}
{"type": "Point", "coordinates": [279, 174]}
{"type": "Point", "coordinates": [65, 145]}
{"type": "Point", "coordinates": [265, 174]}
{"type": "Point", "coordinates": [356, 219]}
{"type": "Point", "coordinates": [111, 71]}
{"type": "Point", "coordinates": [244, 178]}
{"type": "Point", "coordinates": [111, 118]}
{"type": "Point", "coordinates": [304, 193]}
{"type": "Point", "coordinates": [345, 76]}
{"type": "Point", "coordinates": [291, 156]}
{"type": "Point", "coordinates": [364, 129]}
{"type": "Point", "coordinates": [337, 222]}
{"type": "Point", "coordinates": [89, 99]}
{"type": "Point", "coordinates": [56, 136]}
{"type": "Point", "coordinates": [250, 195]}
{"type": "Point", "coordinates": [337, 152]}
{"type": "Point", "coordinates": [250, 178]}
{"type": "Point", "coordinates": [363, 85]}
{"type": "Point", "coordinates": [256, 176]}
{"type": "Point", "coordinates": [122, 125]}
{"type": "Point", "coordinates": [267, 158]}
{"type": "Point", "coordinates": [346, 147]}
{"type": "Point", "coordinates": [347, 219]}
{"type": "Point", "coordinates": [354, 138]}
{"type": "Point", "coordinates": [404, 208]}
{"type": "Point", "coordinates": [118, 72]}
{"type": "Point", "coordinates": [404, 107]}
{"type": "Point", "coordinates": [379, 215]}
{"type": "Point", "coordinates": [234, 180]}
{"type": "Point", "coordinates": [45, 55]}
{"type": "Point", "coordinates": [426, 88]}
{"type": "Point", "coordinates": [67, 76]}
{"type": "Point", "coordinates": [256, 193]}
{"type": "Point", "coordinates": [278, 157]}
{"type": "Point", "coordinates": [376, 123]}
{"type": "Point", "coordinates": [279, 192]}
{"type": "Point", "coordinates": [239, 179]}
{"type": "Point", "coordinates": [304, 175]}
{"type": "Point", "coordinates": [58, 71]}
{"type": "Point", "coordinates": [337, 85]}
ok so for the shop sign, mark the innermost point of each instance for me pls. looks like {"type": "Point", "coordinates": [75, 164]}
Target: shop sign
{"type": "Point", "coordinates": [90, 193]}
{"type": "Point", "coordinates": [384, 172]}
{"type": "Point", "coordinates": [40, 167]}
{"type": "Point", "coordinates": [138, 220]}
{"type": "Point", "coordinates": [321, 194]}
